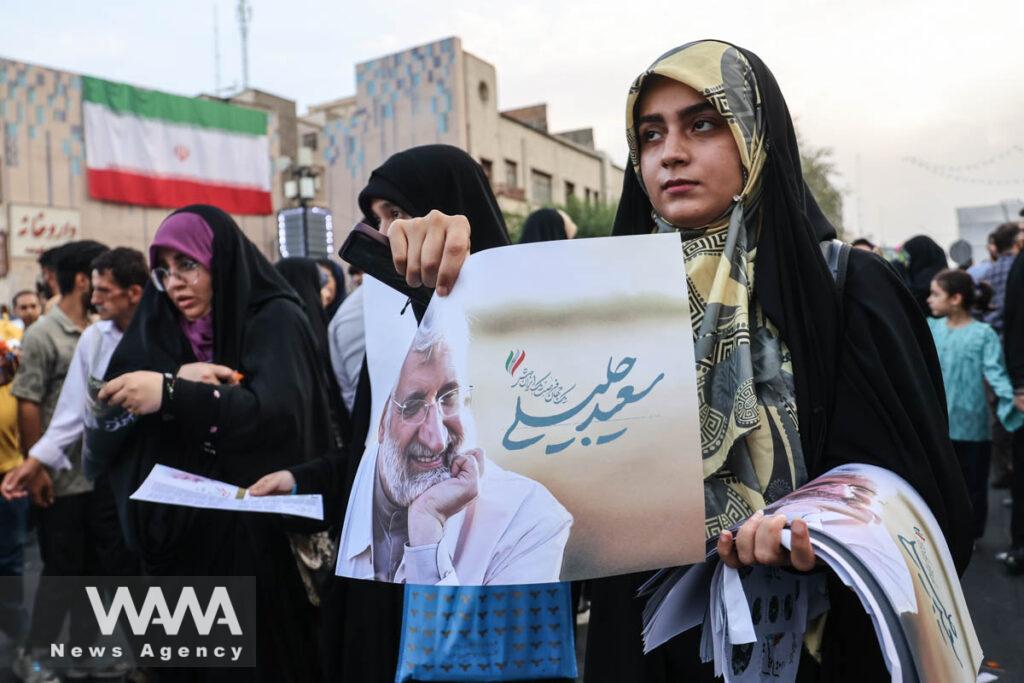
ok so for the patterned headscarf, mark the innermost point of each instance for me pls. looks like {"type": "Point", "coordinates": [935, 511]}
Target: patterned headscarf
{"type": "Point", "coordinates": [749, 432]}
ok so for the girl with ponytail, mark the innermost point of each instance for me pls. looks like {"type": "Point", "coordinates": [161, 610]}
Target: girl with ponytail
{"type": "Point", "coordinates": [970, 354]}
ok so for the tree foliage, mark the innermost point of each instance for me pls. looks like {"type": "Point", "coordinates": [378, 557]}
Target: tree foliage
{"type": "Point", "coordinates": [593, 220]}
{"type": "Point", "coordinates": [820, 173]}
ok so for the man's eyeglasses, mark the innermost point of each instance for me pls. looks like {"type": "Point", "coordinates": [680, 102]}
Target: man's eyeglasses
{"type": "Point", "coordinates": [414, 411]}
{"type": "Point", "coordinates": [186, 272]}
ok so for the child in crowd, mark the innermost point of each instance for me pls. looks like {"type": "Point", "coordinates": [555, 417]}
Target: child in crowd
{"type": "Point", "coordinates": [970, 355]}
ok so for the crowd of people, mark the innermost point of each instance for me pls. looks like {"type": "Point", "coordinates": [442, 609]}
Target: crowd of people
{"type": "Point", "coordinates": [203, 356]}
{"type": "Point", "coordinates": [973, 312]}
{"type": "Point", "coordinates": [968, 307]}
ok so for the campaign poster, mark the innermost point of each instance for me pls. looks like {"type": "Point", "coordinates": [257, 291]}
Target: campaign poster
{"type": "Point", "coordinates": [542, 424]}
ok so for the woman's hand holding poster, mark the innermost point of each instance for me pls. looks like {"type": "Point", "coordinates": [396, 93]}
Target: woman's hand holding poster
{"type": "Point", "coordinates": [872, 530]}
{"type": "Point", "coordinates": [543, 425]}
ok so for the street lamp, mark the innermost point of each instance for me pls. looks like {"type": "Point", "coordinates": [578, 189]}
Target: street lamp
{"type": "Point", "coordinates": [301, 188]}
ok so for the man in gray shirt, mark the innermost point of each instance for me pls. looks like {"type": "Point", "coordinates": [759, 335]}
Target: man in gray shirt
{"type": "Point", "coordinates": [79, 535]}
{"type": "Point", "coordinates": [348, 345]}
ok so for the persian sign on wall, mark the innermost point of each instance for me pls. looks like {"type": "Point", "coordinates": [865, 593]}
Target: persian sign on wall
{"type": "Point", "coordinates": [542, 426]}
{"type": "Point", "coordinates": [34, 229]}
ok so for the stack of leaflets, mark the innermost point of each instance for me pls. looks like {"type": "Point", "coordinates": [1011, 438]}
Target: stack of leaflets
{"type": "Point", "coordinates": [872, 530]}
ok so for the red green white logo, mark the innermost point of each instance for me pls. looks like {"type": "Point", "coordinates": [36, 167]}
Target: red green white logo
{"type": "Point", "coordinates": [514, 360]}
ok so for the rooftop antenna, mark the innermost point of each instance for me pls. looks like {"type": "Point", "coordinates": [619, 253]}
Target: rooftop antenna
{"type": "Point", "coordinates": [216, 51]}
{"type": "Point", "coordinates": [244, 17]}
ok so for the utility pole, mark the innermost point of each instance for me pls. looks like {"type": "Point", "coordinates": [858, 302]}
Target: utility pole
{"type": "Point", "coordinates": [216, 51]}
{"type": "Point", "coordinates": [244, 17]}
{"type": "Point", "coordinates": [860, 202]}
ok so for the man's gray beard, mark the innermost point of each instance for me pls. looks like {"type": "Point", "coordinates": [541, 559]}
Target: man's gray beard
{"type": "Point", "coordinates": [403, 486]}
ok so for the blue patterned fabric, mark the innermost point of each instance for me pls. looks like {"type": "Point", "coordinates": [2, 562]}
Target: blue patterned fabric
{"type": "Point", "coordinates": [970, 356]}
{"type": "Point", "coordinates": [487, 633]}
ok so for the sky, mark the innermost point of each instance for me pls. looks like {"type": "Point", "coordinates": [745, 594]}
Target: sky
{"type": "Point", "coordinates": [891, 86]}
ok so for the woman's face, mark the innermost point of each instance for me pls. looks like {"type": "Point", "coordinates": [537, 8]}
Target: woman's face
{"type": "Point", "coordinates": [688, 156]}
{"type": "Point", "coordinates": [188, 283]}
{"type": "Point", "coordinates": [330, 289]}
{"type": "Point", "coordinates": [387, 213]}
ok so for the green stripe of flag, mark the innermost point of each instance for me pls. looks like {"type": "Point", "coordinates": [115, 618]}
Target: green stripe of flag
{"type": "Point", "coordinates": [151, 104]}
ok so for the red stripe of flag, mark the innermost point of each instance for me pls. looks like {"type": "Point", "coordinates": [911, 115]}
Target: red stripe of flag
{"type": "Point", "coordinates": [522, 357]}
{"type": "Point", "coordinates": [143, 190]}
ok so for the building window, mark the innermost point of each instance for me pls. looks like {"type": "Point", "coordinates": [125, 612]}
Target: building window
{"type": "Point", "coordinates": [570, 190]}
{"type": "Point", "coordinates": [488, 167]}
{"type": "Point", "coordinates": [310, 140]}
{"type": "Point", "coordinates": [511, 174]}
{"type": "Point", "coordinates": [587, 195]}
{"type": "Point", "coordinates": [540, 187]}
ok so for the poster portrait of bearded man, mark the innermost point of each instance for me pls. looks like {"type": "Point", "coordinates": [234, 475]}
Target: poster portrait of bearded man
{"type": "Point", "coordinates": [429, 507]}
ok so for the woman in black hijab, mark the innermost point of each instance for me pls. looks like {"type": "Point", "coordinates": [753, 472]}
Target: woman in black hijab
{"type": "Point", "coordinates": [338, 273]}
{"type": "Point", "coordinates": [218, 374]}
{"type": "Point", "coordinates": [866, 385]}
{"type": "Point", "coordinates": [925, 259]}
{"type": "Point", "coordinates": [437, 178]}
{"type": "Point", "coordinates": [306, 277]}
{"type": "Point", "coordinates": [362, 620]}
{"type": "Point", "coordinates": [543, 225]}
{"type": "Point", "coordinates": [303, 275]}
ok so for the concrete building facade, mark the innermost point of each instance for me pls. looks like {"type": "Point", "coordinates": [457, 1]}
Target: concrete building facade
{"type": "Point", "coordinates": [435, 93]}
{"type": "Point", "coordinates": [439, 93]}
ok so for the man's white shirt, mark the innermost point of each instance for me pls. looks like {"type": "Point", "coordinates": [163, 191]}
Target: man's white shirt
{"type": "Point", "coordinates": [92, 356]}
{"type": "Point", "coordinates": [513, 533]}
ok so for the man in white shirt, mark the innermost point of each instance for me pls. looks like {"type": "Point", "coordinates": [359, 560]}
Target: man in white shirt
{"type": "Point", "coordinates": [426, 509]}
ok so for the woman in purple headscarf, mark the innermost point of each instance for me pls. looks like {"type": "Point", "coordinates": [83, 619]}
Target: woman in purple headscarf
{"type": "Point", "coordinates": [219, 374]}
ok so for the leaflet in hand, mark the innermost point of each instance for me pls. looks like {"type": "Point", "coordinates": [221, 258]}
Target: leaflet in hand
{"type": "Point", "coordinates": [175, 487]}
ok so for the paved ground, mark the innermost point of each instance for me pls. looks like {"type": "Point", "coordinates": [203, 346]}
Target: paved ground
{"type": "Point", "coordinates": [33, 566]}
{"type": "Point", "coordinates": [996, 601]}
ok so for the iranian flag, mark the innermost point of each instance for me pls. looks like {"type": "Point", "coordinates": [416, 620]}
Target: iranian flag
{"type": "Point", "coordinates": [150, 148]}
